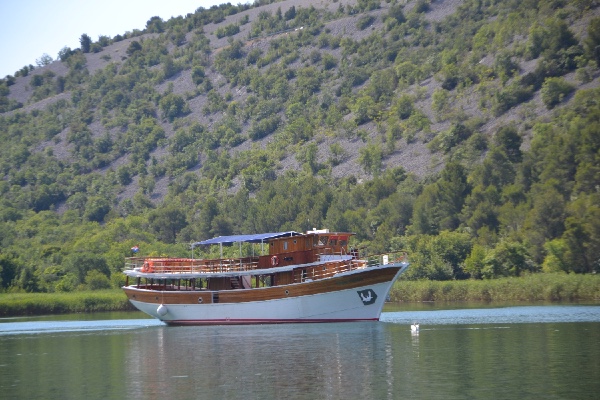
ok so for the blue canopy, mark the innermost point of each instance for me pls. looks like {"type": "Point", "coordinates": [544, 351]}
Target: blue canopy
{"type": "Point", "coordinates": [255, 238]}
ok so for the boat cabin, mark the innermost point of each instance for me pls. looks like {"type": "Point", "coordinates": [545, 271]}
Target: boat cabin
{"type": "Point", "coordinates": [291, 258]}
{"type": "Point", "coordinates": [304, 249]}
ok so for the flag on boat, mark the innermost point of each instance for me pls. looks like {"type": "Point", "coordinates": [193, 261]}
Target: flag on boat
{"type": "Point", "coordinates": [135, 249]}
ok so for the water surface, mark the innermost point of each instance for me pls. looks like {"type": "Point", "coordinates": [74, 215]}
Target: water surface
{"type": "Point", "coordinates": [550, 352]}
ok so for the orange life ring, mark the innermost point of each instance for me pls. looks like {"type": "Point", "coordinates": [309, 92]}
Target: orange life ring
{"type": "Point", "coordinates": [274, 261]}
{"type": "Point", "coordinates": [148, 267]}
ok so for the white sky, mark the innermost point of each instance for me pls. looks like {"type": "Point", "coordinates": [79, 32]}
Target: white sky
{"type": "Point", "coordinates": [30, 28]}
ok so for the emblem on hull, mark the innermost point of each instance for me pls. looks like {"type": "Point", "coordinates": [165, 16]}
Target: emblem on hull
{"type": "Point", "coordinates": [367, 296]}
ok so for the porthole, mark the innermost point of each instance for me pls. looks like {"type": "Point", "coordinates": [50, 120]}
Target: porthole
{"type": "Point", "coordinates": [200, 300]}
{"type": "Point", "coordinates": [287, 292]}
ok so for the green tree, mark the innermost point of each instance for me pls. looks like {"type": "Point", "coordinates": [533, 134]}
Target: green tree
{"type": "Point", "coordinates": [198, 75]}
{"type": "Point", "coordinates": [404, 106]}
{"type": "Point", "coordinates": [593, 40]}
{"type": "Point", "coordinates": [80, 263]}
{"type": "Point", "coordinates": [96, 280]}
{"type": "Point", "coordinates": [308, 157]}
{"type": "Point", "coordinates": [96, 208]}
{"type": "Point", "coordinates": [65, 53]}
{"type": "Point", "coordinates": [155, 25]}
{"type": "Point", "coordinates": [508, 258]}
{"type": "Point", "coordinates": [365, 109]}
{"type": "Point", "coordinates": [582, 235]}
{"type": "Point", "coordinates": [371, 158]}
{"type": "Point", "coordinates": [86, 43]}
{"type": "Point", "coordinates": [507, 138]}
{"type": "Point", "coordinates": [475, 261]}
{"type": "Point", "coordinates": [453, 190]}
{"type": "Point", "coordinates": [426, 212]}
{"type": "Point", "coordinates": [27, 280]}
{"type": "Point", "coordinates": [167, 223]}
{"type": "Point", "coordinates": [173, 106]}
{"type": "Point", "coordinates": [396, 13]}
{"type": "Point", "coordinates": [133, 47]}
{"type": "Point", "coordinates": [9, 266]}
{"type": "Point", "coordinates": [368, 5]}
{"type": "Point", "coordinates": [555, 260]}
{"type": "Point", "coordinates": [44, 60]}
{"type": "Point", "coordinates": [290, 13]}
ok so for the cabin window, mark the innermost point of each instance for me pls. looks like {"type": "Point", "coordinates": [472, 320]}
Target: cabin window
{"type": "Point", "coordinates": [343, 242]}
{"type": "Point", "coordinates": [333, 242]}
{"type": "Point", "coordinates": [323, 240]}
{"type": "Point", "coordinates": [285, 245]}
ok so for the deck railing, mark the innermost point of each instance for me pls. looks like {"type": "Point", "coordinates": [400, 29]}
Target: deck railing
{"type": "Point", "coordinates": [190, 265]}
{"type": "Point", "coordinates": [332, 264]}
{"type": "Point", "coordinates": [386, 258]}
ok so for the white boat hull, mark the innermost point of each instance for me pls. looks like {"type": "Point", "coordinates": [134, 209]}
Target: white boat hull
{"type": "Point", "coordinates": [358, 303]}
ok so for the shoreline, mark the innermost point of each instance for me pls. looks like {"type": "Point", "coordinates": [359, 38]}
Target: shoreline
{"type": "Point", "coordinates": [531, 288]}
{"type": "Point", "coordinates": [553, 287]}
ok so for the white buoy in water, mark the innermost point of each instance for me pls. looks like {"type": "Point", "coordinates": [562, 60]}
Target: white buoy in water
{"type": "Point", "coordinates": [162, 310]}
{"type": "Point", "coordinates": [414, 328]}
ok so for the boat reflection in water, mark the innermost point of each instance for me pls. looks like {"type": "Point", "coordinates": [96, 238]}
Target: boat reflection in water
{"type": "Point", "coordinates": [264, 361]}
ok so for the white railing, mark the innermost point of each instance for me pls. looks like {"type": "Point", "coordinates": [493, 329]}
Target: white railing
{"type": "Point", "coordinates": [386, 258]}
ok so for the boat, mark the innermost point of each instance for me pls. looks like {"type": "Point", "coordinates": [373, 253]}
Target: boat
{"type": "Point", "coordinates": [299, 277]}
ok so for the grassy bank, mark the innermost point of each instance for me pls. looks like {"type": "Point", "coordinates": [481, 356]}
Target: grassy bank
{"type": "Point", "coordinates": [18, 304]}
{"type": "Point", "coordinates": [537, 287]}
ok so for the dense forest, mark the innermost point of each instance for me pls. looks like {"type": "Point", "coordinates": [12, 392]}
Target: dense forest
{"type": "Point", "coordinates": [465, 132]}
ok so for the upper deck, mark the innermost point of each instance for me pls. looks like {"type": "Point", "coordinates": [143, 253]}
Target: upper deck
{"type": "Point", "coordinates": [288, 256]}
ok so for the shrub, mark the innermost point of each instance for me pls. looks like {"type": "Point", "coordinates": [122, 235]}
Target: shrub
{"type": "Point", "coordinates": [511, 96]}
{"type": "Point", "coordinates": [422, 7]}
{"type": "Point", "coordinates": [450, 138]}
{"type": "Point", "coordinates": [228, 30]}
{"type": "Point", "coordinates": [364, 22]}
{"type": "Point", "coordinates": [404, 106]}
{"type": "Point", "coordinates": [554, 90]}
{"type": "Point", "coordinates": [173, 106]}
{"type": "Point", "coordinates": [133, 47]}
{"type": "Point", "coordinates": [367, 5]}
{"type": "Point", "coordinates": [264, 127]}
{"type": "Point", "coordinates": [364, 109]}
{"type": "Point", "coordinates": [198, 75]}
{"type": "Point", "coordinates": [329, 62]}
{"type": "Point", "coordinates": [37, 80]}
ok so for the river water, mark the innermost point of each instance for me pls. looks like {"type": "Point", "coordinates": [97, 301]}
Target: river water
{"type": "Point", "coordinates": [500, 352]}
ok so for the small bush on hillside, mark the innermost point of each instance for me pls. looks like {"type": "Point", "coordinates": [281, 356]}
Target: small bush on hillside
{"type": "Point", "coordinates": [554, 90]}
{"type": "Point", "coordinates": [364, 22]}
{"type": "Point", "coordinates": [228, 30]}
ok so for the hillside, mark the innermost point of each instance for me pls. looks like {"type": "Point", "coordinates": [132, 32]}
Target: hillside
{"type": "Point", "coordinates": [392, 119]}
